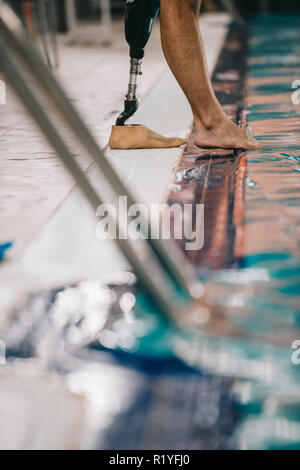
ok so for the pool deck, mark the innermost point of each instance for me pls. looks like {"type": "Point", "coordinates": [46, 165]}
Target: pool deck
{"type": "Point", "coordinates": [51, 224]}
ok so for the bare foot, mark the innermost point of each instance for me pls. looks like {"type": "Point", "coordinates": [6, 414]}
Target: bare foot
{"type": "Point", "coordinates": [224, 134]}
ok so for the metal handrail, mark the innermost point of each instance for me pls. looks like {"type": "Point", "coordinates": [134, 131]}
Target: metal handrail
{"type": "Point", "coordinates": [173, 259]}
{"type": "Point", "coordinates": [151, 270]}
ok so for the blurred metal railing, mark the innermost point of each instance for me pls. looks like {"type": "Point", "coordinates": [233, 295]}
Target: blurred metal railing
{"type": "Point", "coordinates": [160, 266]}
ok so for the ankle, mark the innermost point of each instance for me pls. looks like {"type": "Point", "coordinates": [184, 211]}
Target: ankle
{"type": "Point", "coordinates": [209, 120]}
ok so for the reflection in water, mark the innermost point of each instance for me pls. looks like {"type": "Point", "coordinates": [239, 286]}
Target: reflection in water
{"type": "Point", "coordinates": [131, 401]}
{"type": "Point", "coordinates": [252, 225]}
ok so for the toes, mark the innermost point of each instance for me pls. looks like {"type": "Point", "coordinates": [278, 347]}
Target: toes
{"type": "Point", "coordinates": [255, 144]}
{"type": "Point", "coordinates": [251, 143]}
